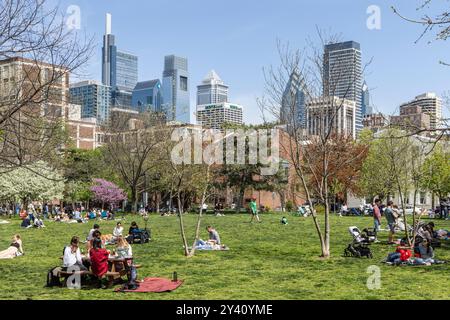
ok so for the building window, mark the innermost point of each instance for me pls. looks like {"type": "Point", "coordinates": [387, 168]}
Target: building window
{"type": "Point", "coordinates": [184, 83]}
{"type": "Point", "coordinates": [423, 198]}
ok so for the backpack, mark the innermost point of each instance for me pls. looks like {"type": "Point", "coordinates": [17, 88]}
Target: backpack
{"type": "Point", "coordinates": [52, 278]}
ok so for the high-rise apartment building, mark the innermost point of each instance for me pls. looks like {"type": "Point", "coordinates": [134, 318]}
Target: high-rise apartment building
{"type": "Point", "coordinates": [147, 96]}
{"type": "Point", "coordinates": [94, 98]}
{"type": "Point", "coordinates": [119, 69]}
{"type": "Point", "coordinates": [214, 116]}
{"type": "Point", "coordinates": [212, 90]}
{"type": "Point", "coordinates": [293, 105]}
{"type": "Point", "coordinates": [343, 74]}
{"type": "Point", "coordinates": [412, 118]}
{"type": "Point", "coordinates": [175, 87]}
{"type": "Point", "coordinates": [334, 112]}
{"type": "Point", "coordinates": [430, 104]}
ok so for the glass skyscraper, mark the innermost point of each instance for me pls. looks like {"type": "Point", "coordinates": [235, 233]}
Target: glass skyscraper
{"type": "Point", "coordinates": [147, 96]}
{"type": "Point", "coordinates": [175, 87]}
{"type": "Point", "coordinates": [94, 99]}
{"type": "Point", "coordinates": [365, 101]}
{"type": "Point", "coordinates": [343, 75]}
{"type": "Point", "coordinates": [293, 105]}
{"type": "Point", "coordinates": [119, 69]}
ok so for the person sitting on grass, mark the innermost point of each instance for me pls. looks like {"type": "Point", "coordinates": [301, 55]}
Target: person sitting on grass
{"type": "Point", "coordinates": [26, 222]}
{"type": "Point", "coordinates": [92, 215]}
{"type": "Point", "coordinates": [402, 255]}
{"type": "Point", "coordinates": [99, 261]}
{"type": "Point", "coordinates": [94, 233]}
{"type": "Point", "coordinates": [104, 215]}
{"type": "Point", "coordinates": [214, 238]}
{"type": "Point", "coordinates": [118, 231]}
{"type": "Point", "coordinates": [133, 232]}
{"type": "Point", "coordinates": [15, 249]}
{"type": "Point", "coordinates": [72, 256]}
{"type": "Point", "coordinates": [38, 223]}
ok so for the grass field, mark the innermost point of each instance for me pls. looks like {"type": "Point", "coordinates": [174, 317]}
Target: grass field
{"type": "Point", "coordinates": [266, 261]}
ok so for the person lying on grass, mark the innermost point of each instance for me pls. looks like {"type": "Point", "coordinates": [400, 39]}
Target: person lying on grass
{"type": "Point", "coordinates": [15, 249]}
{"type": "Point", "coordinates": [99, 262]}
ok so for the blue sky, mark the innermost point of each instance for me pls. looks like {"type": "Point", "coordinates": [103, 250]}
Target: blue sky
{"type": "Point", "coordinates": [238, 39]}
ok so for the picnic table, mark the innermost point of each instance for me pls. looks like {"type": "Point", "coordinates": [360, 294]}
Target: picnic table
{"type": "Point", "coordinates": [117, 269]}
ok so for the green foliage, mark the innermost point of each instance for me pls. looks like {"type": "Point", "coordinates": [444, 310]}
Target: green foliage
{"type": "Point", "coordinates": [436, 172]}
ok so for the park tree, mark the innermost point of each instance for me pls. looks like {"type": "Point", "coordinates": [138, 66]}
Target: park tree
{"type": "Point", "coordinates": [301, 77]}
{"type": "Point", "coordinates": [436, 172]}
{"type": "Point", "coordinates": [35, 32]}
{"type": "Point", "coordinates": [246, 174]}
{"type": "Point", "coordinates": [106, 192]}
{"type": "Point", "coordinates": [33, 182]}
{"type": "Point", "coordinates": [376, 179]}
{"type": "Point", "coordinates": [131, 148]}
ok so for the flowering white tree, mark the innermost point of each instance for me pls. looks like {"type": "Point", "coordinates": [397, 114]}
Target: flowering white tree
{"type": "Point", "coordinates": [37, 181]}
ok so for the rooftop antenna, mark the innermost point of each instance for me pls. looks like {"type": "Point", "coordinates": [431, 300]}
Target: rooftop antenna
{"type": "Point", "coordinates": [108, 23]}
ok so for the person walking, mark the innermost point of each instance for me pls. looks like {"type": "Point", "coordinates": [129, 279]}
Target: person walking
{"type": "Point", "coordinates": [254, 210]}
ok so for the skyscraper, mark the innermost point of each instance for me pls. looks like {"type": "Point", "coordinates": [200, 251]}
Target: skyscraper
{"type": "Point", "coordinates": [176, 89]}
{"type": "Point", "coordinates": [365, 101]}
{"type": "Point", "coordinates": [94, 99]}
{"type": "Point", "coordinates": [343, 74]}
{"type": "Point", "coordinates": [147, 96]}
{"type": "Point", "coordinates": [430, 104]}
{"type": "Point", "coordinates": [119, 69]}
{"type": "Point", "coordinates": [212, 90]}
{"type": "Point", "coordinates": [293, 105]}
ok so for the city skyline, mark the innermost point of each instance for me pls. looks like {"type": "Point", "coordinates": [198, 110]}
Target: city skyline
{"type": "Point", "coordinates": [397, 73]}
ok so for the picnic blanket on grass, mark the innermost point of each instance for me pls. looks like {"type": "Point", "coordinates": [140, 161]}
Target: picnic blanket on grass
{"type": "Point", "coordinates": [156, 285]}
{"type": "Point", "coordinates": [4, 222]}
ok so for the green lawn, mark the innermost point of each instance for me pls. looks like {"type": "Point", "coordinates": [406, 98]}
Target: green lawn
{"type": "Point", "coordinates": [266, 261]}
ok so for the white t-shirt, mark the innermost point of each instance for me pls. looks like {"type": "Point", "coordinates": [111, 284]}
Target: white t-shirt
{"type": "Point", "coordinates": [70, 258]}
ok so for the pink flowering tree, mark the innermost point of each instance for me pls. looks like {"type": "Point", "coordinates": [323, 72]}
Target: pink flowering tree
{"type": "Point", "coordinates": [107, 192]}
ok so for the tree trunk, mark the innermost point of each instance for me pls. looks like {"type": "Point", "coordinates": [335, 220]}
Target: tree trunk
{"type": "Point", "coordinates": [239, 205]}
{"type": "Point", "coordinates": [326, 250]}
{"type": "Point", "coordinates": [183, 233]}
{"type": "Point", "coordinates": [134, 199]}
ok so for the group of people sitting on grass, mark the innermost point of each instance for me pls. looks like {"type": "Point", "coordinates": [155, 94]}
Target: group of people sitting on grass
{"type": "Point", "coordinates": [422, 252]}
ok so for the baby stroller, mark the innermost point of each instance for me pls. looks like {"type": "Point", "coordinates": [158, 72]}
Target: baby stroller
{"type": "Point", "coordinates": [360, 246]}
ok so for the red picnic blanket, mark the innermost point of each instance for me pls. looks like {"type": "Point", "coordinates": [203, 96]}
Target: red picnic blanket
{"type": "Point", "coordinates": [156, 285]}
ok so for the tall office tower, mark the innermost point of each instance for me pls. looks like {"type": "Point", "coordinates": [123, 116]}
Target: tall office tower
{"type": "Point", "coordinates": [343, 74]}
{"type": "Point", "coordinates": [176, 89]}
{"type": "Point", "coordinates": [119, 69]}
{"type": "Point", "coordinates": [214, 116]}
{"type": "Point", "coordinates": [431, 104]}
{"type": "Point", "coordinates": [212, 90]}
{"type": "Point", "coordinates": [94, 99]}
{"type": "Point", "coordinates": [293, 104]}
{"type": "Point", "coordinates": [147, 96]}
{"type": "Point", "coordinates": [365, 101]}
